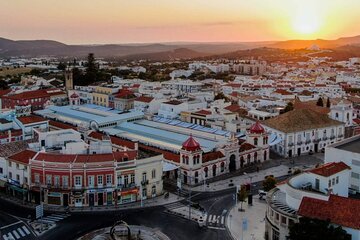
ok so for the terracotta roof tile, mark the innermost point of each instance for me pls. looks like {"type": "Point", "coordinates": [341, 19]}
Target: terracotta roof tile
{"type": "Point", "coordinates": [23, 156]}
{"type": "Point", "coordinates": [211, 156]}
{"type": "Point", "coordinates": [31, 119]}
{"type": "Point", "coordinates": [339, 210]}
{"type": "Point", "coordinates": [330, 169]}
{"type": "Point", "coordinates": [144, 99]}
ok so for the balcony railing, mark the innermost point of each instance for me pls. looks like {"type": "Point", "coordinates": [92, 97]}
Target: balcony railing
{"type": "Point", "coordinates": [144, 182]}
{"type": "Point", "coordinates": [299, 142]}
{"type": "Point", "coordinates": [123, 187]}
{"type": "Point", "coordinates": [324, 138]}
{"type": "Point", "coordinates": [332, 137]}
{"type": "Point", "coordinates": [290, 144]}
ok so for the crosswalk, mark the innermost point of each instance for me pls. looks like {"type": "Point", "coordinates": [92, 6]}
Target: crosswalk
{"type": "Point", "coordinates": [174, 205]}
{"type": "Point", "coordinates": [53, 218]}
{"type": "Point", "coordinates": [15, 232]}
{"type": "Point", "coordinates": [218, 220]}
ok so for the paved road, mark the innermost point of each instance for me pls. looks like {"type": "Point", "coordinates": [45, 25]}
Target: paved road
{"type": "Point", "coordinates": [13, 228]}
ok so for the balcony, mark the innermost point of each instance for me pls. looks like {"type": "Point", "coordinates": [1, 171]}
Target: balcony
{"type": "Point", "coordinates": [308, 141]}
{"type": "Point", "coordinates": [332, 137]}
{"type": "Point", "coordinates": [290, 144]}
{"type": "Point", "coordinates": [325, 138]}
{"type": "Point", "coordinates": [316, 140]}
{"type": "Point", "coordinates": [126, 187]}
{"type": "Point", "coordinates": [299, 143]}
{"type": "Point", "coordinates": [145, 182]}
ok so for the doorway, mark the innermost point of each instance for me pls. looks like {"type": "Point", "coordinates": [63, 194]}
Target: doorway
{"type": "Point", "coordinates": [91, 199]}
{"type": "Point", "coordinates": [232, 164]}
{"type": "Point", "coordinates": [65, 200]}
{"type": "Point", "coordinates": [100, 199]}
{"type": "Point", "coordinates": [299, 151]}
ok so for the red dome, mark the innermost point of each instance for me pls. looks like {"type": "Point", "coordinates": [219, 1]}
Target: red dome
{"type": "Point", "coordinates": [257, 128]}
{"type": "Point", "coordinates": [74, 95]}
{"type": "Point", "coordinates": [191, 144]}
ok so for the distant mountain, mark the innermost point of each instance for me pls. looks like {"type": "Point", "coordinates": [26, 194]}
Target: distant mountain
{"type": "Point", "coordinates": [329, 44]}
{"type": "Point", "coordinates": [156, 51]}
{"type": "Point", "coordinates": [179, 53]}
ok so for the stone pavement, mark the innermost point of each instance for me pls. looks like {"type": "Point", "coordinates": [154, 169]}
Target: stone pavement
{"type": "Point", "coordinates": [276, 167]}
{"type": "Point", "coordinates": [146, 233]}
{"type": "Point", "coordinates": [255, 217]}
{"type": "Point", "coordinates": [156, 201]}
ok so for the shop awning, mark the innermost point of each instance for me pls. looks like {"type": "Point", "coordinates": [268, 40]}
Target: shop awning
{"type": "Point", "coordinates": [132, 191]}
{"type": "Point", "coordinates": [169, 166]}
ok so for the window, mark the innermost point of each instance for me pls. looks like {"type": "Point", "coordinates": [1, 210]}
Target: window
{"type": "Point", "coordinates": [275, 235]}
{"type": "Point", "coordinates": [48, 179]}
{"type": "Point", "coordinates": [329, 183]}
{"type": "Point", "coordinates": [355, 175]}
{"type": "Point", "coordinates": [277, 216]}
{"type": "Point", "coordinates": [65, 181]}
{"type": "Point", "coordinates": [9, 164]}
{"type": "Point", "coordinates": [37, 178]}
{"type": "Point", "coordinates": [119, 180]}
{"type": "Point", "coordinates": [99, 180]}
{"type": "Point", "coordinates": [57, 181]}
{"type": "Point", "coordinates": [1, 170]}
{"type": "Point", "coordinates": [126, 180]}
{"type": "Point", "coordinates": [25, 180]}
{"type": "Point", "coordinates": [153, 174]}
{"type": "Point", "coordinates": [10, 175]}
{"type": "Point", "coordinates": [18, 177]}
{"type": "Point", "coordinates": [17, 166]}
{"type": "Point", "coordinates": [255, 141]}
{"type": "Point", "coordinates": [144, 176]}
{"type": "Point", "coordinates": [108, 180]}
{"type": "Point", "coordinates": [333, 181]}
{"type": "Point", "coordinates": [77, 181]}
{"type": "Point", "coordinates": [283, 220]}
{"type": "Point", "coordinates": [91, 181]}
{"type": "Point", "coordinates": [337, 179]}
{"type": "Point", "coordinates": [153, 191]}
{"type": "Point", "coordinates": [132, 178]}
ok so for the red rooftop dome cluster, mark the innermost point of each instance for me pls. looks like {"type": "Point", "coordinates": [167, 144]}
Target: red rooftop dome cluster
{"type": "Point", "coordinates": [257, 128]}
{"type": "Point", "coordinates": [191, 144]}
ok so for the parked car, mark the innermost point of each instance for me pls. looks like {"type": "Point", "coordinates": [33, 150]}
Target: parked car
{"type": "Point", "coordinates": [352, 191]}
{"type": "Point", "coordinates": [262, 194]}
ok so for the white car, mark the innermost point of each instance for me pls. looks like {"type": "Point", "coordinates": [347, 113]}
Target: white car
{"type": "Point", "coordinates": [262, 194]}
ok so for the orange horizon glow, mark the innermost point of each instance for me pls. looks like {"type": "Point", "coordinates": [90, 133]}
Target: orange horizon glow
{"type": "Point", "coordinates": [138, 21]}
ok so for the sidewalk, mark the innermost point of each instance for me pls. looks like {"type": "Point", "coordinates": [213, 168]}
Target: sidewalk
{"type": "Point", "coordinates": [276, 167]}
{"type": "Point", "coordinates": [254, 216]}
{"type": "Point", "coordinates": [157, 201]}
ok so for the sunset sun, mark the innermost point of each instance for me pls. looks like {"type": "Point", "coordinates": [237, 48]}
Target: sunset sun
{"type": "Point", "coordinates": [306, 22]}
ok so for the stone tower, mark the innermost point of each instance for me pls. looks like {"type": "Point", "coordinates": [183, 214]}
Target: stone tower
{"type": "Point", "coordinates": [69, 85]}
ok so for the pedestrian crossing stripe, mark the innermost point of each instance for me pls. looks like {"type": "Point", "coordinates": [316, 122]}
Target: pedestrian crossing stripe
{"type": "Point", "coordinates": [21, 232]}
{"type": "Point", "coordinates": [26, 230]}
{"type": "Point", "coordinates": [17, 236]}
{"type": "Point", "coordinates": [216, 219]}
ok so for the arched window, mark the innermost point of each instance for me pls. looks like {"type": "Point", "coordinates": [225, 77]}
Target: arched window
{"type": "Point", "coordinates": [222, 167]}
{"type": "Point", "coordinates": [255, 141]}
{"type": "Point", "coordinates": [265, 155]}
{"type": "Point", "coordinates": [206, 172]}
{"type": "Point", "coordinates": [183, 159]}
{"type": "Point", "coordinates": [196, 177]}
{"type": "Point", "coordinates": [336, 115]}
{"type": "Point", "coordinates": [153, 174]}
{"type": "Point", "coordinates": [255, 156]}
{"type": "Point", "coordinates": [248, 159]}
{"type": "Point", "coordinates": [214, 170]}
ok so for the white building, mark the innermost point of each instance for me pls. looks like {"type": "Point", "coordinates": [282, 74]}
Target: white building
{"type": "Point", "coordinates": [303, 130]}
{"type": "Point", "coordinates": [347, 151]}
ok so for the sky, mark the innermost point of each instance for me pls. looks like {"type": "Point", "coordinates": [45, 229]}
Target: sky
{"type": "Point", "coordinates": [142, 21]}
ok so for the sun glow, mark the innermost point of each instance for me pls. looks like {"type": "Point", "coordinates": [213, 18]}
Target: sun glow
{"type": "Point", "coordinates": [306, 22]}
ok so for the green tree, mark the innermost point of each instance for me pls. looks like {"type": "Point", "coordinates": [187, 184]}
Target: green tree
{"type": "Point", "coordinates": [320, 102]}
{"type": "Point", "coordinates": [269, 183]}
{"type": "Point", "coordinates": [221, 95]}
{"type": "Point", "coordinates": [241, 196]}
{"type": "Point", "coordinates": [328, 103]}
{"type": "Point", "coordinates": [91, 69]}
{"type": "Point", "coordinates": [289, 107]}
{"type": "Point", "coordinates": [314, 229]}
{"type": "Point", "coordinates": [61, 66]}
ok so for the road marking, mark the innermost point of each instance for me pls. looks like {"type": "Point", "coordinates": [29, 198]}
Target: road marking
{"type": "Point", "coordinates": [5, 237]}
{"type": "Point", "coordinates": [11, 236]}
{"type": "Point", "coordinates": [11, 224]}
{"type": "Point", "coordinates": [222, 220]}
{"type": "Point", "coordinates": [60, 215]}
{"type": "Point", "coordinates": [21, 232]}
{"type": "Point", "coordinates": [26, 230]}
{"type": "Point", "coordinates": [54, 218]}
{"type": "Point", "coordinates": [16, 234]}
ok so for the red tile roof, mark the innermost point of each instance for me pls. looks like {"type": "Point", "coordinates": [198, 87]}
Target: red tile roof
{"type": "Point", "coordinates": [42, 93]}
{"type": "Point", "coordinates": [125, 94]}
{"type": "Point", "coordinates": [208, 157]}
{"type": "Point", "coordinates": [61, 125]}
{"type": "Point", "coordinates": [23, 156]}
{"type": "Point", "coordinates": [339, 210]}
{"type": "Point", "coordinates": [4, 92]}
{"type": "Point", "coordinates": [114, 140]}
{"type": "Point", "coordinates": [246, 146]}
{"type": "Point", "coordinates": [144, 99]}
{"type": "Point", "coordinates": [233, 108]}
{"type": "Point", "coordinates": [330, 169]}
{"type": "Point", "coordinates": [31, 119]}
{"type": "Point", "coordinates": [203, 112]}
